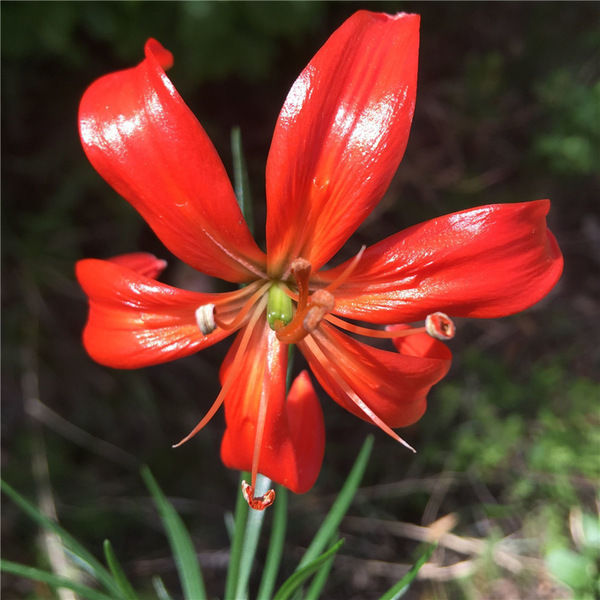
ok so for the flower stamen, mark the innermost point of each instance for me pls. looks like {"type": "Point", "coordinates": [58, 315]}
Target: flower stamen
{"type": "Point", "coordinates": [232, 376]}
{"type": "Point", "coordinates": [238, 320]}
{"type": "Point", "coordinates": [440, 326]}
{"type": "Point", "coordinates": [205, 318]}
{"type": "Point", "coordinates": [301, 271]}
{"type": "Point", "coordinates": [437, 325]}
{"type": "Point", "coordinates": [319, 354]}
{"type": "Point", "coordinates": [320, 304]}
{"type": "Point", "coordinates": [260, 502]}
{"type": "Point", "coordinates": [345, 274]}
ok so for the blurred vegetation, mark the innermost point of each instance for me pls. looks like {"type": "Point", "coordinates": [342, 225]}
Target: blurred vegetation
{"type": "Point", "coordinates": [508, 110]}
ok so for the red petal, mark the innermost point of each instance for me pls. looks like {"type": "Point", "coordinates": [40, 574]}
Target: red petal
{"type": "Point", "coordinates": [293, 441]}
{"type": "Point", "coordinates": [135, 321]}
{"type": "Point", "coordinates": [144, 263]}
{"type": "Point", "coordinates": [340, 136]}
{"type": "Point", "coordinates": [393, 385]}
{"type": "Point", "coordinates": [143, 139]}
{"type": "Point", "coordinates": [490, 261]}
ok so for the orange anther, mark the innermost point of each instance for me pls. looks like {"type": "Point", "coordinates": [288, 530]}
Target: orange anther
{"type": "Point", "coordinates": [440, 326]}
{"type": "Point", "coordinates": [259, 503]}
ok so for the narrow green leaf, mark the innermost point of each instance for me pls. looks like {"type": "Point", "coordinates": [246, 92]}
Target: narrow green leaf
{"type": "Point", "coordinates": [241, 183]}
{"type": "Point", "coordinates": [251, 537]}
{"type": "Point", "coordinates": [160, 589]}
{"type": "Point", "coordinates": [340, 506]}
{"type": "Point", "coordinates": [276, 541]}
{"type": "Point", "coordinates": [399, 589]}
{"type": "Point", "coordinates": [117, 572]}
{"type": "Point", "coordinates": [237, 543]}
{"type": "Point", "coordinates": [319, 580]}
{"type": "Point", "coordinates": [55, 581]}
{"type": "Point", "coordinates": [84, 558]}
{"type": "Point", "coordinates": [179, 540]}
{"type": "Point", "coordinates": [292, 583]}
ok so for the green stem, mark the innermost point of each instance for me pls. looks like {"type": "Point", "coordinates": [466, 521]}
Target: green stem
{"type": "Point", "coordinates": [276, 543]}
{"type": "Point", "coordinates": [241, 182]}
{"type": "Point", "coordinates": [251, 537]}
{"type": "Point", "coordinates": [237, 543]}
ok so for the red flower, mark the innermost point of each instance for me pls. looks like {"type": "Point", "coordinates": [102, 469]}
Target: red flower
{"type": "Point", "coordinates": [339, 138]}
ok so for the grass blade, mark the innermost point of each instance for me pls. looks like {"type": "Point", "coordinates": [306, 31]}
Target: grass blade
{"type": "Point", "coordinates": [292, 583]}
{"type": "Point", "coordinates": [160, 589]}
{"type": "Point", "coordinates": [399, 589]}
{"type": "Point", "coordinates": [273, 560]}
{"type": "Point", "coordinates": [319, 580]}
{"type": "Point", "coordinates": [84, 558]}
{"type": "Point", "coordinates": [54, 581]}
{"type": "Point", "coordinates": [179, 540]}
{"type": "Point", "coordinates": [117, 572]}
{"type": "Point", "coordinates": [340, 506]}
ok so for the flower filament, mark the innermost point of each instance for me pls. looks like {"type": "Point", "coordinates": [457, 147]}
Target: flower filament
{"type": "Point", "coordinates": [273, 300]}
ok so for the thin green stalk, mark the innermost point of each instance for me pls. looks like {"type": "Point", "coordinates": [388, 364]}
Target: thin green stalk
{"type": "Point", "coordinates": [401, 587]}
{"type": "Point", "coordinates": [160, 589]}
{"type": "Point", "coordinates": [179, 540]}
{"type": "Point", "coordinates": [85, 559]}
{"type": "Point", "coordinates": [319, 580]}
{"type": "Point", "coordinates": [118, 573]}
{"type": "Point", "coordinates": [54, 581]}
{"type": "Point", "coordinates": [251, 537]}
{"type": "Point", "coordinates": [340, 506]}
{"type": "Point", "coordinates": [241, 183]}
{"type": "Point", "coordinates": [237, 543]}
{"type": "Point", "coordinates": [276, 542]}
{"type": "Point", "coordinates": [294, 582]}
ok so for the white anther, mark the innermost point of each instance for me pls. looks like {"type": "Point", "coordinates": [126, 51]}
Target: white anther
{"type": "Point", "coordinates": [205, 318]}
{"type": "Point", "coordinates": [440, 326]}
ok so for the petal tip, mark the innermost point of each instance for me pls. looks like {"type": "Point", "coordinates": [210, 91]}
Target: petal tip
{"type": "Point", "coordinates": [153, 48]}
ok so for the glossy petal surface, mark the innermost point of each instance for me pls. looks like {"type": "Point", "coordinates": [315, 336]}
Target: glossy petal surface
{"type": "Point", "coordinates": [394, 385]}
{"type": "Point", "coordinates": [142, 138]}
{"type": "Point", "coordinates": [340, 136]}
{"type": "Point", "coordinates": [490, 261]}
{"type": "Point", "coordinates": [135, 321]}
{"type": "Point", "coordinates": [293, 440]}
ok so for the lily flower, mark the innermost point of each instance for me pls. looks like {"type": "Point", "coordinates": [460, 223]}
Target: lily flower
{"type": "Point", "coordinates": [337, 143]}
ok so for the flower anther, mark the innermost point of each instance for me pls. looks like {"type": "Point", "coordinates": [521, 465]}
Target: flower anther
{"type": "Point", "coordinates": [440, 326]}
{"type": "Point", "coordinates": [260, 502]}
{"type": "Point", "coordinates": [205, 318]}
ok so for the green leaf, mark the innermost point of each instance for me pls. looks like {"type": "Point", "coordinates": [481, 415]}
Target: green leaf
{"type": "Point", "coordinates": [591, 531]}
{"type": "Point", "coordinates": [117, 572]}
{"type": "Point", "coordinates": [241, 182]}
{"type": "Point", "coordinates": [575, 570]}
{"type": "Point", "coordinates": [55, 581]}
{"type": "Point", "coordinates": [273, 560]}
{"type": "Point", "coordinates": [292, 583]}
{"type": "Point", "coordinates": [237, 543]}
{"type": "Point", "coordinates": [160, 589]}
{"type": "Point", "coordinates": [84, 558]}
{"type": "Point", "coordinates": [179, 540]}
{"type": "Point", "coordinates": [319, 580]}
{"type": "Point", "coordinates": [340, 506]}
{"type": "Point", "coordinates": [399, 589]}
